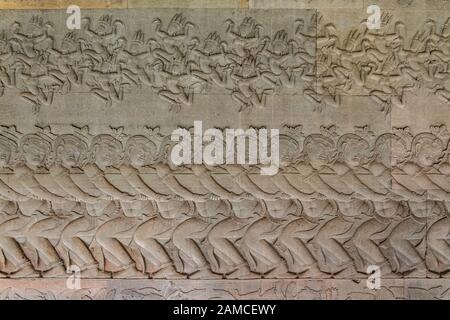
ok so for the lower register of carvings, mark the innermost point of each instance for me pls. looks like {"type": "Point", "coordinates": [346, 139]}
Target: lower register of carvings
{"type": "Point", "coordinates": [113, 206]}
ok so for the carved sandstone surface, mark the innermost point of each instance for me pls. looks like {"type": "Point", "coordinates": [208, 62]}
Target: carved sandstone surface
{"type": "Point", "coordinates": [86, 178]}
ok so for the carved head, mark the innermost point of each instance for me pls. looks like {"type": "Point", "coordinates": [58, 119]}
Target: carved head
{"type": "Point", "coordinates": [70, 150]}
{"type": "Point", "coordinates": [106, 150]}
{"type": "Point", "coordinates": [319, 150]}
{"type": "Point", "coordinates": [7, 149]}
{"type": "Point", "coordinates": [353, 150]}
{"type": "Point", "coordinates": [35, 150]}
{"type": "Point", "coordinates": [391, 150]}
{"type": "Point", "coordinates": [289, 149]}
{"type": "Point", "coordinates": [140, 151]}
{"type": "Point", "coordinates": [427, 149]}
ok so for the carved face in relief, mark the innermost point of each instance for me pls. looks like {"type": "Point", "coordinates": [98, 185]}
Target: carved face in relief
{"type": "Point", "coordinates": [106, 150]}
{"type": "Point", "coordinates": [353, 150]}
{"type": "Point", "coordinates": [319, 151]}
{"type": "Point", "coordinates": [317, 208]}
{"type": "Point", "coordinates": [35, 150]}
{"type": "Point", "coordinates": [245, 208]}
{"type": "Point", "coordinates": [140, 151]}
{"type": "Point", "coordinates": [289, 149]}
{"type": "Point", "coordinates": [427, 150]}
{"type": "Point", "coordinates": [391, 151]}
{"type": "Point", "coordinates": [5, 153]}
{"type": "Point", "coordinates": [281, 208]}
{"type": "Point", "coordinates": [70, 150]}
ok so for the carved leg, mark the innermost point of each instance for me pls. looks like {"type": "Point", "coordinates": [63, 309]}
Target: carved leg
{"type": "Point", "coordinates": [70, 239]}
{"type": "Point", "coordinates": [106, 238]}
{"type": "Point", "coordinates": [20, 261]}
{"type": "Point", "coordinates": [154, 251]}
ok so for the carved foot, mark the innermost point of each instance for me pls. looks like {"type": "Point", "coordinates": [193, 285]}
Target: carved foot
{"type": "Point", "coordinates": [205, 274]}
{"type": "Point", "coordinates": [280, 272]}
{"type": "Point", "coordinates": [94, 273]}
{"type": "Point", "coordinates": [313, 272]}
{"type": "Point", "coordinates": [168, 272]}
{"type": "Point", "coordinates": [56, 272]}
{"type": "Point", "coordinates": [243, 272]}
{"type": "Point", "coordinates": [130, 272]}
{"type": "Point", "coordinates": [26, 272]}
{"type": "Point", "coordinates": [348, 272]}
{"type": "Point", "coordinates": [419, 271]}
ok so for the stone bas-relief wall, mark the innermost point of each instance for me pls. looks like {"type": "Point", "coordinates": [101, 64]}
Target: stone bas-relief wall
{"type": "Point", "coordinates": [86, 181]}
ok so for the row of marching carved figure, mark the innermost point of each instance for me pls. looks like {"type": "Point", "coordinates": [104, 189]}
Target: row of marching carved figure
{"type": "Point", "coordinates": [359, 165]}
{"type": "Point", "coordinates": [214, 239]}
{"type": "Point", "coordinates": [309, 56]}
